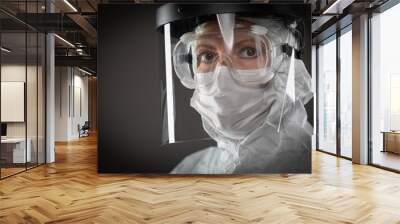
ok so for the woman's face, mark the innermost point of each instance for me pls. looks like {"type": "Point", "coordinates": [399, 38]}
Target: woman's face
{"type": "Point", "coordinates": [248, 51]}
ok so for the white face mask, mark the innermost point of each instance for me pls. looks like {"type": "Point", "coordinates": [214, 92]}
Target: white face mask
{"type": "Point", "coordinates": [232, 110]}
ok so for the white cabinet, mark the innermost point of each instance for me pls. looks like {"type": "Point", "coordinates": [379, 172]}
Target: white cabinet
{"type": "Point", "coordinates": [19, 155]}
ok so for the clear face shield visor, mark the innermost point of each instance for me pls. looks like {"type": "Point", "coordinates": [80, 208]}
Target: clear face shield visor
{"type": "Point", "coordinates": [250, 49]}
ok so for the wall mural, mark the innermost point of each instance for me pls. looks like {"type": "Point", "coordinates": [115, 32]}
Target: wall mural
{"type": "Point", "coordinates": [237, 76]}
{"type": "Point", "coordinates": [249, 86]}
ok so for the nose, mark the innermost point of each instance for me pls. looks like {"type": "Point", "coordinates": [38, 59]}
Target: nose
{"type": "Point", "coordinates": [223, 60]}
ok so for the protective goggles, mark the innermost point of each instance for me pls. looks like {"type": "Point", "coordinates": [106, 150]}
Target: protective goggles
{"type": "Point", "coordinates": [252, 54]}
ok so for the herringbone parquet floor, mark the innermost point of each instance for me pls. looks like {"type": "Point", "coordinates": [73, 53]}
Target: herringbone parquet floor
{"type": "Point", "coordinates": [71, 191]}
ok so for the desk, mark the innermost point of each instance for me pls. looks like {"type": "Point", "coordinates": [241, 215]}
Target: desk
{"type": "Point", "coordinates": [15, 148]}
{"type": "Point", "coordinates": [391, 141]}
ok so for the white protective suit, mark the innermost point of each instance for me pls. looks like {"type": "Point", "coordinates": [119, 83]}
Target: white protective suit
{"type": "Point", "coordinates": [265, 150]}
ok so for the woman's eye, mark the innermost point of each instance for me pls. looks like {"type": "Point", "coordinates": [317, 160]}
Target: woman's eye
{"type": "Point", "coordinates": [248, 52]}
{"type": "Point", "coordinates": [207, 57]}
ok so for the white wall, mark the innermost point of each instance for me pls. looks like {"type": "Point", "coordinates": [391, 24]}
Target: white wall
{"type": "Point", "coordinates": [12, 73]}
{"type": "Point", "coordinates": [80, 110]}
{"type": "Point", "coordinates": [70, 84]}
{"type": "Point", "coordinates": [62, 81]}
{"type": "Point", "coordinates": [17, 73]}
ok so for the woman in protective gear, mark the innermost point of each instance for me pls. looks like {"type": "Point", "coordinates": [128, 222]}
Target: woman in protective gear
{"type": "Point", "coordinates": [250, 90]}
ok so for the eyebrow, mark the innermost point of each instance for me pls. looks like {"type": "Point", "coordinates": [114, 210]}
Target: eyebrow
{"type": "Point", "coordinates": [208, 46]}
{"type": "Point", "coordinates": [243, 41]}
{"type": "Point", "coordinates": [212, 47]}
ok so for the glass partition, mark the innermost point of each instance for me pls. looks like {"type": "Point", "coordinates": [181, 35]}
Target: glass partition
{"type": "Point", "coordinates": [22, 88]}
{"type": "Point", "coordinates": [31, 99]}
{"type": "Point", "coordinates": [15, 151]}
{"type": "Point", "coordinates": [41, 91]}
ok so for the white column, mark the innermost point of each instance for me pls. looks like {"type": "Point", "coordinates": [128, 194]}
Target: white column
{"type": "Point", "coordinates": [360, 90]}
{"type": "Point", "coordinates": [50, 99]}
{"type": "Point", "coordinates": [50, 92]}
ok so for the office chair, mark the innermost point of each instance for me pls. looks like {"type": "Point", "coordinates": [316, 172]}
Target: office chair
{"type": "Point", "coordinates": [84, 130]}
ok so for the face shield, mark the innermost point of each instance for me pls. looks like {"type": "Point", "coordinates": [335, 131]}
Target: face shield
{"type": "Point", "coordinates": [243, 70]}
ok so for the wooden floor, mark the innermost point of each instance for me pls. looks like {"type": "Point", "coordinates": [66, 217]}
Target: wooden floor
{"type": "Point", "coordinates": [71, 191]}
{"type": "Point", "coordinates": [8, 171]}
{"type": "Point", "coordinates": [5, 172]}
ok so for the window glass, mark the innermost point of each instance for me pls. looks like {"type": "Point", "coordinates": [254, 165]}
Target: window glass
{"type": "Point", "coordinates": [385, 85]}
{"type": "Point", "coordinates": [346, 94]}
{"type": "Point", "coordinates": [327, 96]}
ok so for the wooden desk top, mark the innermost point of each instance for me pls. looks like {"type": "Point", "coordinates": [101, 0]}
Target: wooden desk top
{"type": "Point", "coordinates": [391, 132]}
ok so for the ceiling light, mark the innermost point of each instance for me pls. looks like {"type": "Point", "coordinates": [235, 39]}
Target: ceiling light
{"type": "Point", "coordinates": [5, 50]}
{"type": "Point", "coordinates": [326, 11]}
{"type": "Point", "coordinates": [65, 41]}
{"type": "Point", "coordinates": [338, 6]}
{"type": "Point", "coordinates": [79, 51]}
{"type": "Point", "coordinates": [84, 71]}
{"type": "Point", "coordinates": [70, 5]}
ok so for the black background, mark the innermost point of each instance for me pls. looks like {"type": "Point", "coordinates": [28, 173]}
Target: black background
{"type": "Point", "coordinates": [130, 73]}
{"type": "Point", "coordinates": [129, 88]}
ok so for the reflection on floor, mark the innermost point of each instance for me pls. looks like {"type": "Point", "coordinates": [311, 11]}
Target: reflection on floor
{"type": "Point", "coordinates": [346, 152]}
{"type": "Point", "coordinates": [387, 159]}
{"type": "Point", "coordinates": [71, 191]}
{"type": "Point", "coordinates": [11, 169]}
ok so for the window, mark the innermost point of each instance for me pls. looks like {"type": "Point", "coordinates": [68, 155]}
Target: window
{"type": "Point", "coordinates": [334, 106]}
{"type": "Point", "coordinates": [346, 93]}
{"type": "Point", "coordinates": [327, 96]}
{"type": "Point", "coordinates": [385, 89]}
